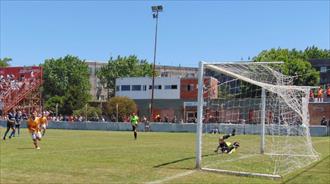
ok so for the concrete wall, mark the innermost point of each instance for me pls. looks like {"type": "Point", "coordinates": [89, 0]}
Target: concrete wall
{"type": "Point", "coordinates": [161, 107]}
{"type": "Point", "coordinates": [170, 127]}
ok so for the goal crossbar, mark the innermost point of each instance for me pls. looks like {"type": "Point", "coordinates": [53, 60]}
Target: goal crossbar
{"type": "Point", "coordinates": [246, 79]}
{"type": "Point", "coordinates": [245, 62]}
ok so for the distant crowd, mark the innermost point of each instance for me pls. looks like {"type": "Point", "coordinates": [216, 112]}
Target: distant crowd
{"type": "Point", "coordinates": [320, 95]}
{"type": "Point", "coordinates": [10, 84]}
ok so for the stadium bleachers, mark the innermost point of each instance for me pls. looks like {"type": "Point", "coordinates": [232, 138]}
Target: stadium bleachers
{"type": "Point", "coordinates": [19, 87]}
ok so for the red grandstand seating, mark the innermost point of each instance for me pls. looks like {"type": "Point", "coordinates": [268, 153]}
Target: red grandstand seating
{"type": "Point", "coordinates": [18, 84]}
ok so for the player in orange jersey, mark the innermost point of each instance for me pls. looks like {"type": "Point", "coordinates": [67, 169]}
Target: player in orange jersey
{"type": "Point", "coordinates": [320, 94]}
{"type": "Point", "coordinates": [43, 123]}
{"type": "Point", "coordinates": [34, 128]}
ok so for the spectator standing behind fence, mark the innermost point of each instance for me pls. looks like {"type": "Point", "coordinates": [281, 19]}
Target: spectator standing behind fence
{"type": "Point", "coordinates": [323, 121]}
{"type": "Point", "coordinates": [320, 94]}
{"type": "Point", "coordinates": [311, 95]}
{"type": "Point", "coordinates": [174, 120]}
{"type": "Point", "coordinates": [158, 118]}
{"type": "Point", "coordinates": [146, 124]}
{"type": "Point", "coordinates": [328, 91]}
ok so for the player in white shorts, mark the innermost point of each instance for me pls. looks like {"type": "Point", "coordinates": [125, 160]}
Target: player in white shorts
{"type": "Point", "coordinates": [34, 128]}
{"type": "Point", "coordinates": [43, 123]}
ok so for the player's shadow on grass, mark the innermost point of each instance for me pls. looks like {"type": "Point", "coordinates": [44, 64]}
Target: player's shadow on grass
{"type": "Point", "coordinates": [181, 160]}
{"type": "Point", "coordinates": [25, 148]}
{"type": "Point", "coordinates": [305, 170]}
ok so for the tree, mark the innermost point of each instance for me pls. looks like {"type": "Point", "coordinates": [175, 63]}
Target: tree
{"type": "Point", "coordinates": [295, 64]}
{"type": "Point", "coordinates": [93, 113]}
{"type": "Point", "coordinates": [126, 107]}
{"type": "Point", "coordinates": [5, 62]}
{"type": "Point", "coordinates": [67, 80]}
{"type": "Point", "coordinates": [53, 101]}
{"type": "Point", "coordinates": [129, 66]}
{"type": "Point", "coordinates": [316, 53]}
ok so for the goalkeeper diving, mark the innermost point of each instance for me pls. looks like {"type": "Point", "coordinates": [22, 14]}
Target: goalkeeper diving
{"type": "Point", "coordinates": [225, 146]}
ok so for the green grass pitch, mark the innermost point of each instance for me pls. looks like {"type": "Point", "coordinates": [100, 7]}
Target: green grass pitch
{"type": "Point", "coordinates": [72, 156]}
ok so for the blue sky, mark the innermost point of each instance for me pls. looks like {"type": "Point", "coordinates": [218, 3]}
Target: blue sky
{"type": "Point", "coordinates": [189, 31]}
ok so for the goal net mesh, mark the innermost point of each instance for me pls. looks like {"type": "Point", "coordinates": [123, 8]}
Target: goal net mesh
{"type": "Point", "coordinates": [241, 106]}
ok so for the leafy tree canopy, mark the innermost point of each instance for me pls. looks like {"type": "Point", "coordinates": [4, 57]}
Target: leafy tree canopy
{"type": "Point", "coordinates": [66, 82]}
{"type": "Point", "coordinates": [126, 107]}
{"type": "Point", "coordinates": [295, 63]}
{"type": "Point", "coordinates": [92, 113]}
{"type": "Point", "coordinates": [129, 66]}
{"type": "Point", "coordinates": [5, 62]}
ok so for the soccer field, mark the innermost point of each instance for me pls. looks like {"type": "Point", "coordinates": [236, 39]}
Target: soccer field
{"type": "Point", "coordinates": [72, 156]}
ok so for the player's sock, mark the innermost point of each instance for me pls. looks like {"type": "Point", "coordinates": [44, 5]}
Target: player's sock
{"type": "Point", "coordinates": [225, 137]}
{"type": "Point", "coordinates": [12, 134]}
{"type": "Point", "coordinates": [135, 135]}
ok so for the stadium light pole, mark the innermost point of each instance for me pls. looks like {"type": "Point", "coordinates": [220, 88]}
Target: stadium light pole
{"type": "Point", "coordinates": [155, 10]}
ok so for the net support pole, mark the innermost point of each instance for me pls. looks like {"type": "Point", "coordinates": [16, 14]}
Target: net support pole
{"type": "Point", "coordinates": [263, 117]}
{"type": "Point", "coordinates": [199, 125]}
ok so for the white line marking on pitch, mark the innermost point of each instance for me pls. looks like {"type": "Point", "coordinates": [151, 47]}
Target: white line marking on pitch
{"type": "Point", "coordinates": [190, 172]}
{"type": "Point", "coordinates": [171, 177]}
{"type": "Point", "coordinates": [230, 160]}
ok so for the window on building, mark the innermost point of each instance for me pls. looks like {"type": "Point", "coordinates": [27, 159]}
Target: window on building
{"type": "Point", "coordinates": [117, 88]}
{"type": "Point", "coordinates": [136, 87]}
{"type": "Point", "coordinates": [125, 87]}
{"type": "Point", "coordinates": [156, 87]}
{"type": "Point", "coordinates": [190, 75]}
{"type": "Point", "coordinates": [144, 87]}
{"type": "Point", "coordinates": [190, 87]}
{"type": "Point", "coordinates": [171, 87]}
{"type": "Point", "coordinates": [164, 74]}
{"type": "Point", "coordinates": [323, 69]}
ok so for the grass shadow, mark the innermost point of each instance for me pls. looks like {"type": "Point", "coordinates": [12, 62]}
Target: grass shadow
{"type": "Point", "coordinates": [305, 170]}
{"type": "Point", "coordinates": [25, 148]}
{"type": "Point", "coordinates": [181, 160]}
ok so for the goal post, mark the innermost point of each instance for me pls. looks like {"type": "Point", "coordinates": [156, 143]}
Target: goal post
{"type": "Point", "coordinates": [253, 99]}
{"type": "Point", "coordinates": [263, 116]}
{"type": "Point", "coordinates": [199, 116]}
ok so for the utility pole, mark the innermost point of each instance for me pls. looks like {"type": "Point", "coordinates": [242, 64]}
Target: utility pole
{"type": "Point", "coordinates": [155, 10]}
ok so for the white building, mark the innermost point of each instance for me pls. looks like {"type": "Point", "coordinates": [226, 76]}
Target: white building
{"type": "Point", "coordinates": [139, 88]}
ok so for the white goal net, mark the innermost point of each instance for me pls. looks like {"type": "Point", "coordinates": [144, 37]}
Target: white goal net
{"type": "Point", "coordinates": [258, 116]}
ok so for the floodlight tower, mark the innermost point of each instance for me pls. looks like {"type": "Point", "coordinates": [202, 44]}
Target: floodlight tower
{"type": "Point", "coordinates": [155, 10]}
